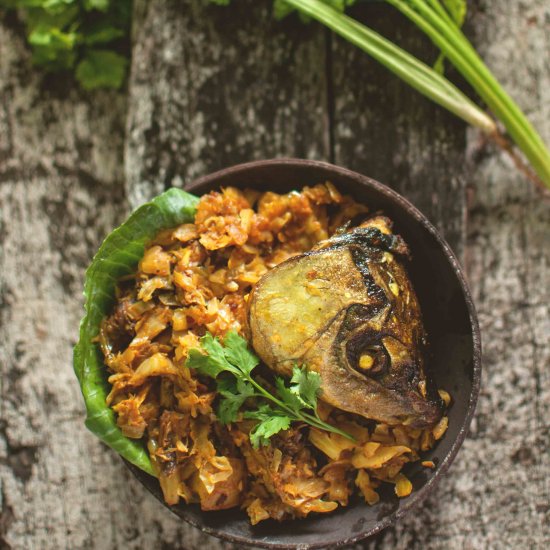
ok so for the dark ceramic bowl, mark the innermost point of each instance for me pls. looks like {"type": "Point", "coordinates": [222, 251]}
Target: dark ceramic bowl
{"type": "Point", "coordinates": [454, 360]}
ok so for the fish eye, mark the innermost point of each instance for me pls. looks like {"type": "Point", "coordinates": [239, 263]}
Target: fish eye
{"type": "Point", "coordinates": [369, 359]}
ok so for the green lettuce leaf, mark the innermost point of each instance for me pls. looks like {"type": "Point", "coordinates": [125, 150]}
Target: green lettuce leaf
{"type": "Point", "coordinates": [118, 256]}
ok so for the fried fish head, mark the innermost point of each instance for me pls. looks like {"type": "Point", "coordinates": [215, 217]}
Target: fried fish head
{"type": "Point", "coordinates": [347, 310]}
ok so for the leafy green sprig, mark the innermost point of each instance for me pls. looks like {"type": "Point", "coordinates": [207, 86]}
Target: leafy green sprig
{"type": "Point", "coordinates": [231, 365]}
{"type": "Point", "coordinates": [88, 37]}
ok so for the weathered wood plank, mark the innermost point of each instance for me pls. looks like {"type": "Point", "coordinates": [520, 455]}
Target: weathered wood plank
{"type": "Point", "coordinates": [212, 87]}
{"type": "Point", "coordinates": [509, 265]}
{"type": "Point", "coordinates": [60, 192]}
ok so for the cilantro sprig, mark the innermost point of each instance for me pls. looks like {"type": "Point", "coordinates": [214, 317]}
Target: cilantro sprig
{"type": "Point", "coordinates": [231, 365]}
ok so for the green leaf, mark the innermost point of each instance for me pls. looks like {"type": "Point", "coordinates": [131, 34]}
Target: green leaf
{"type": "Point", "coordinates": [306, 385]}
{"type": "Point", "coordinates": [234, 393]}
{"type": "Point", "coordinates": [118, 256]}
{"type": "Point", "coordinates": [100, 5]}
{"type": "Point", "coordinates": [237, 353]}
{"type": "Point", "coordinates": [262, 432]}
{"type": "Point", "coordinates": [53, 37]}
{"type": "Point", "coordinates": [212, 364]}
{"type": "Point", "coordinates": [233, 357]}
{"type": "Point", "coordinates": [61, 32]}
{"type": "Point", "coordinates": [49, 6]}
{"type": "Point", "coordinates": [271, 422]}
{"type": "Point", "coordinates": [53, 60]}
{"type": "Point", "coordinates": [203, 364]}
{"type": "Point", "coordinates": [101, 68]}
{"type": "Point", "coordinates": [281, 8]}
{"type": "Point", "coordinates": [101, 34]}
{"type": "Point", "coordinates": [64, 17]}
{"type": "Point", "coordinates": [287, 406]}
{"type": "Point", "coordinates": [303, 390]}
{"type": "Point", "coordinates": [340, 5]}
{"type": "Point", "coordinates": [457, 10]}
{"type": "Point", "coordinates": [289, 397]}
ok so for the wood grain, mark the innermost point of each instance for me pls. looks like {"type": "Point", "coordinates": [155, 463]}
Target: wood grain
{"type": "Point", "coordinates": [60, 192]}
{"type": "Point", "coordinates": [209, 88]}
{"type": "Point", "coordinates": [212, 87]}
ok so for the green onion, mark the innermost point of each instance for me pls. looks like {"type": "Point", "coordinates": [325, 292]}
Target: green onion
{"type": "Point", "coordinates": [407, 67]}
{"type": "Point", "coordinates": [432, 18]}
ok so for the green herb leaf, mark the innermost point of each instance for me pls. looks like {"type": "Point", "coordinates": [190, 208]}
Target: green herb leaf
{"type": "Point", "coordinates": [288, 405]}
{"type": "Point", "coordinates": [290, 398]}
{"type": "Point", "coordinates": [101, 69]}
{"type": "Point", "coordinates": [306, 385]}
{"type": "Point", "coordinates": [100, 5]}
{"type": "Point", "coordinates": [457, 10]}
{"type": "Point", "coordinates": [101, 34]}
{"type": "Point", "coordinates": [281, 8]}
{"type": "Point", "coordinates": [61, 33]}
{"type": "Point", "coordinates": [237, 353]}
{"type": "Point", "coordinates": [53, 37]}
{"type": "Point", "coordinates": [234, 393]}
{"type": "Point", "coordinates": [212, 364]}
{"type": "Point", "coordinates": [118, 256]}
{"type": "Point", "coordinates": [302, 393]}
{"type": "Point", "coordinates": [203, 364]}
{"type": "Point", "coordinates": [271, 422]}
{"type": "Point", "coordinates": [234, 357]}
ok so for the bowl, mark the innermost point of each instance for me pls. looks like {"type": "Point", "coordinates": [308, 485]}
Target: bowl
{"type": "Point", "coordinates": [454, 359]}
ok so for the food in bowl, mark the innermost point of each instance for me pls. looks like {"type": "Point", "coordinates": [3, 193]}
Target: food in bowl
{"type": "Point", "coordinates": [316, 285]}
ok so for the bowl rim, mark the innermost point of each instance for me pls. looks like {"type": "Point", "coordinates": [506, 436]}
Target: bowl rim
{"type": "Point", "coordinates": [418, 495]}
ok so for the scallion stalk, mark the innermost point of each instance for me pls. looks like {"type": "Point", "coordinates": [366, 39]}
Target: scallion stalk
{"type": "Point", "coordinates": [450, 39]}
{"type": "Point", "coordinates": [407, 67]}
{"type": "Point", "coordinates": [431, 17]}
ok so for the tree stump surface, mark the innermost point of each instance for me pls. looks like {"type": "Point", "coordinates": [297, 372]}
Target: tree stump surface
{"type": "Point", "coordinates": [211, 87]}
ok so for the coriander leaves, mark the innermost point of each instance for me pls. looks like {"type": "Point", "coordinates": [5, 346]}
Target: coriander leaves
{"type": "Point", "coordinates": [214, 362]}
{"type": "Point", "coordinates": [271, 422]}
{"type": "Point", "coordinates": [234, 392]}
{"type": "Point", "coordinates": [231, 365]}
{"type": "Point", "coordinates": [305, 385]}
{"type": "Point", "coordinates": [237, 352]}
{"type": "Point", "coordinates": [88, 37]}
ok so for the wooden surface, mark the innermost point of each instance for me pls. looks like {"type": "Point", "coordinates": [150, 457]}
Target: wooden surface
{"type": "Point", "coordinates": [212, 87]}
